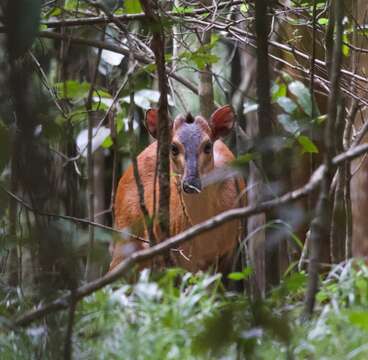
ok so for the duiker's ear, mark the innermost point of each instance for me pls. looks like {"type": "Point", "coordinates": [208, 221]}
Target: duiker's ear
{"type": "Point", "coordinates": [222, 121]}
{"type": "Point", "coordinates": [151, 120]}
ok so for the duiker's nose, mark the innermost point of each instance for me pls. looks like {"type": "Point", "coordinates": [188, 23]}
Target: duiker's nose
{"type": "Point", "coordinates": [192, 186]}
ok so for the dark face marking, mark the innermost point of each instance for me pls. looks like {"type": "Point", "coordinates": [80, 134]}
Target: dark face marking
{"type": "Point", "coordinates": [190, 135]}
{"type": "Point", "coordinates": [193, 157]}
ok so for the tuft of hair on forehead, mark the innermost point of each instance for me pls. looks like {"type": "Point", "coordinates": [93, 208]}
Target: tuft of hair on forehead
{"type": "Point", "coordinates": [189, 119]}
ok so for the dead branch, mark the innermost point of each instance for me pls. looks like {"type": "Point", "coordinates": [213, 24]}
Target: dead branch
{"type": "Point", "coordinates": [70, 218]}
{"type": "Point", "coordinates": [117, 49]}
{"type": "Point", "coordinates": [159, 249]}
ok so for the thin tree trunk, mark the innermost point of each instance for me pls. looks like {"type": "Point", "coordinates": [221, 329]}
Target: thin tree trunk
{"type": "Point", "coordinates": [164, 127]}
{"type": "Point", "coordinates": [205, 88]}
{"type": "Point", "coordinates": [90, 272]}
{"type": "Point", "coordinates": [268, 164]}
{"type": "Point", "coordinates": [320, 228]}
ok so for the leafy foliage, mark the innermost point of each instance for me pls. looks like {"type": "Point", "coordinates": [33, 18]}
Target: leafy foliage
{"type": "Point", "coordinates": [184, 316]}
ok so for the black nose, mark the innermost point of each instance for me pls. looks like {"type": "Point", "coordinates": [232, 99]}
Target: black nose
{"type": "Point", "coordinates": [192, 186]}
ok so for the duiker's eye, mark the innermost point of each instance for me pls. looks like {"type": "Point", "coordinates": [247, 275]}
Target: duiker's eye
{"type": "Point", "coordinates": [207, 149]}
{"type": "Point", "coordinates": [174, 150]}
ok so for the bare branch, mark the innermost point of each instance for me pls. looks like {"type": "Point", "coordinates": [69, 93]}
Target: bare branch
{"type": "Point", "coordinates": [117, 49]}
{"type": "Point", "coordinates": [159, 249]}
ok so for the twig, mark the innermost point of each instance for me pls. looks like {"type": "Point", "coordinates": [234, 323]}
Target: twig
{"type": "Point", "coordinates": [90, 165]}
{"type": "Point", "coordinates": [48, 87]}
{"type": "Point", "coordinates": [99, 20]}
{"type": "Point", "coordinates": [70, 218]}
{"type": "Point", "coordinates": [117, 49]}
{"type": "Point", "coordinates": [173, 242]}
{"type": "Point", "coordinates": [133, 153]}
{"type": "Point", "coordinates": [205, 86]}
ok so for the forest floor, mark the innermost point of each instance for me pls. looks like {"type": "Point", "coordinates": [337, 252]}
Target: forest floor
{"type": "Point", "coordinates": [176, 315]}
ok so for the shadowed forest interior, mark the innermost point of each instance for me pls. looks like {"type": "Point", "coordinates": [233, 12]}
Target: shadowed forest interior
{"type": "Point", "coordinates": [183, 180]}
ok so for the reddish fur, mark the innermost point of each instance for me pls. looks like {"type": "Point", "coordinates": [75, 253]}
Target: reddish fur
{"type": "Point", "coordinates": [204, 250]}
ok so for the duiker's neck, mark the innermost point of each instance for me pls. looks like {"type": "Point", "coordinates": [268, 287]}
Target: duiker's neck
{"type": "Point", "coordinates": [201, 206]}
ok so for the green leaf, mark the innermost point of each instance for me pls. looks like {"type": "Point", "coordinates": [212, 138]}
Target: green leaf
{"type": "Point", "coordinates": [244, 8]}
{"type": "Point", "coordinates": [242, 160]}
{"type": "Point", "coordinates": [183, 9]}
{"type": "Point", "coordinates": [71, 5]}
{"type": "Point", "coordinates": [322, 296]}
{"type": "Point", "coordinates": [236, 276]}
{"type": "Point", "coordinates": [201, 57]}
{"type": "Point", "coordinates": [307, 145]}
{"type": "Point", "coordinates": [55, 12]}
{"type": "Point", "coordinates": [359, 319]}
{"type": "Point", "coordinates": [107, 143]}
{"type": "Point", "coordinates": [241, 275]}
{"type": "Point", "coordinates": [132, 6]}
{"type": "Point", "coordinates": [319, 120]}
{"type": "Point", "coordinates": [345, 48]}
{"type": "Point", "coordinates": [150, 68]}
{"type": "Point", "coordinates": [303, 96]}
{"type": "Point", "coordinates": [322, 21]}
{"type": "Point", "coordinates": [287, 104]}
{"type": "Point", "coordinates": [73, 89]}
{"type": "Point", "coordinates": [278, 90]}
{"type": "Point", "coordinates": [289, 124]}
{"type": "Point", "coordinates": [296, 281]}
{"type": "Point", "coordinates": [23, 19]}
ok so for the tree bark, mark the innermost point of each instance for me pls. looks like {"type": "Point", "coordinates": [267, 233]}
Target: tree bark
{"type": "Point", "coordinates": [164, 127]}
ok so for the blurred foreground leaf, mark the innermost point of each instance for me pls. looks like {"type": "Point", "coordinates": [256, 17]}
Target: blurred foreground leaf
{"type": "Point", "coordinates": [22, 19]}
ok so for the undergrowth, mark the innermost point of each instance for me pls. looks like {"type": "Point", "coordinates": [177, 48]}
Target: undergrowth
{"type": "Point", "coordinates": [177, 315]}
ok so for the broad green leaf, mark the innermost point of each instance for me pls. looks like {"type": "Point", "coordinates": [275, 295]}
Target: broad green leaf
{"type": "Point", "coordinates": [55, 12]}
{"type": "Point", "coordinates": [201, 57]}
{"type": "Point", "coordinates": [150, 68]}
{"type": "Point", "coordinates": [289, 124]}
{"type": "Point", "coordinates": [107, 143]}
{"type": "Point", "coordinates": [236, 276]}
{"type": "Point", "coordinates": [242, 160]}
{"type": "Point", "coordinates": [359, 319]}
{"type": "Point", "coordinates": [320, 119]}
{"type": "Point", "coordinates": [244, 8]}
{"type": "Point", "coordinates": [322, 21]}
{"type": "Point", "coordinates": [71, 4]}
{"type": "Point", "coordinates": [296, 281]}
{"type": "Point", "coordinates": [278, 90]}
{"type": "Point", "coordinates": [98, 137]}
{"type": "Point", "coordinates": [345, 48]}
{"type": "Point", "coordinates": [73, 89]}
{"type": "Point", "coordinates": [303, 96]}
{"type": "Point", "coordinates": [307, 145]}
{"type": "Point", "coordinates": [132, 6]}
{"type": "Point", "coordinates": [287, 104]}
{"type": "Point", "coordinates": [243, 275]}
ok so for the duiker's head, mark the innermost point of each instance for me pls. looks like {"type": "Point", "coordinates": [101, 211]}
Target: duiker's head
{"type": "Point", "coordinates": [192, 140]}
